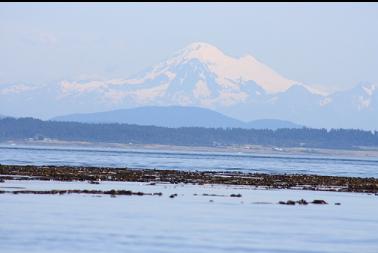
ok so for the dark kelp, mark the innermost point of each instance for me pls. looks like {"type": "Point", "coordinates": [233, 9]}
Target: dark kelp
{"type": "Point", "coordinates": [283, 181]}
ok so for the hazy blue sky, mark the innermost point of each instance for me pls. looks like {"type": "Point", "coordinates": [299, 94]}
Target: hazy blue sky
{"type": "Point", "coordinates": [330, 44]}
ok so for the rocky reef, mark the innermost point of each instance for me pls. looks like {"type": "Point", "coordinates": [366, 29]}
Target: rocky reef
{"type": "Point", "coordinates": [282, 181]}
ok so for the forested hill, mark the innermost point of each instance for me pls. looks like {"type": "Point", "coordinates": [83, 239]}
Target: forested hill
{"type": "Point", "coordinates": [25, 128]}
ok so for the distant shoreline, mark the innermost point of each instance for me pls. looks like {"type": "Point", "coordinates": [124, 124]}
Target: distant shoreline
{"type": "Point", "coordinates": [29, 129]}
{"type": "Point", "coordinates": [258, 180]}
{"type": "Point", "coordinates": [247, 149]}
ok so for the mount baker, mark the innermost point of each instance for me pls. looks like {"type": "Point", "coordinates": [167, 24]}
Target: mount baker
{"type": "Point", "coordinates": [202, 75]}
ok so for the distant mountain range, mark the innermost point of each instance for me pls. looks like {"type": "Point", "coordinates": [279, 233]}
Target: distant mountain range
{"type": "Point", "coordinates": [174, 116]}
{"type": "Point", "coordinates": [201, 75]}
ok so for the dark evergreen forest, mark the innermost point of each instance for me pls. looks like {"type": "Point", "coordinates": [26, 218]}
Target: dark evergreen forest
{"type": "Point", "coordinates": [25, 128]}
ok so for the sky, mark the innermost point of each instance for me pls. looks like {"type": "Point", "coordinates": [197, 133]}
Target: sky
{"type": "Point", "coordinates": [331, 45]}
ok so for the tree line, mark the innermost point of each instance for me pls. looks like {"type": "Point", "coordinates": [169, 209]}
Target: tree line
{"type": "Point", "coordinates": [26, 128]}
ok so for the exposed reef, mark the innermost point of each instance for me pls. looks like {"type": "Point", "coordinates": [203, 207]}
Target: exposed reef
{"type": "Point", "coordinates": [95, 175]}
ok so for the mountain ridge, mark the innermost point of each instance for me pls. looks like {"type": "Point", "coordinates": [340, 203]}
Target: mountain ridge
{"type": "Point", "coordinates": [173, 116]}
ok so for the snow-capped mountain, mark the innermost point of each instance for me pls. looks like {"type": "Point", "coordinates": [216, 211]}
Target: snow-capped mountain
{"type": "Point", "coordinates": [357, 107]}
{"type": "Point", "coordinates": [202, 75]}
{"type": "Point", "coordinates": [199, 74]}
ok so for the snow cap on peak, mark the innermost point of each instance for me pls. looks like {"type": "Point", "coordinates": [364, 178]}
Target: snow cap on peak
{"type": "Point", "coordinates": [199, 46]}
{"type": "Point", "coordinates": [201, 51]}
{"type": "Point", "coordinates": [230, 70]}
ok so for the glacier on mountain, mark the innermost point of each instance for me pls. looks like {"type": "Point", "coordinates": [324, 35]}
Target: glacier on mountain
{"type": "Point", "coordinates": [202, 75]}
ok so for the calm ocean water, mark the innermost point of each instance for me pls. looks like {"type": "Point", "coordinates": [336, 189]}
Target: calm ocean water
{"type": "Point", "coordinates": [189, 160]}
{"type": "Point", "coordinates": [188, 223]}
{"type": "Point", "coordinates": [191, 222]}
